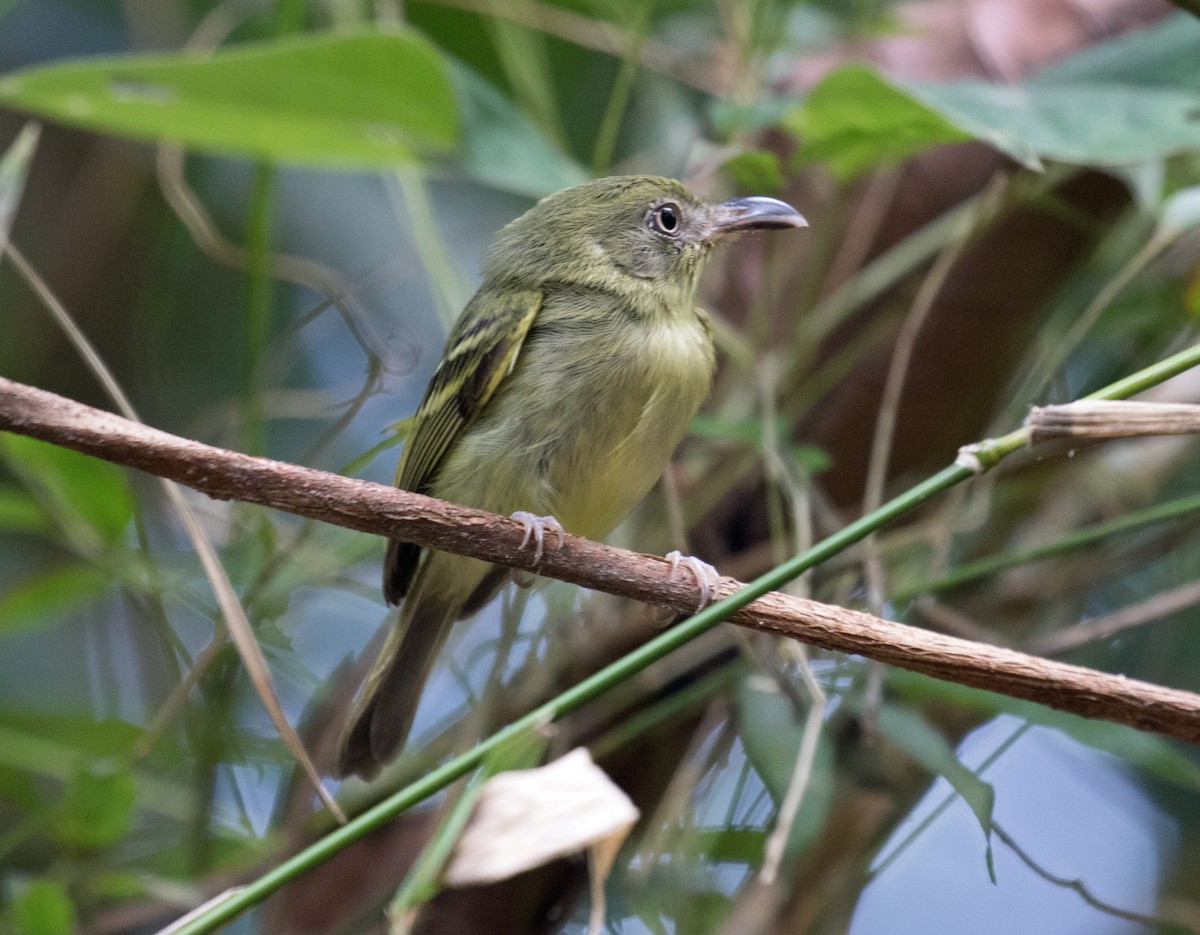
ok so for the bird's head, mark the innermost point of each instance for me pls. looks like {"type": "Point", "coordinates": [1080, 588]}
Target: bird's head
{"type": "Point", "coordinates": [626, 233]}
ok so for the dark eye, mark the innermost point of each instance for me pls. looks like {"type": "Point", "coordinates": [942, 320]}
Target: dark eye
{"type": "Point", "coordinates": [665, 218]}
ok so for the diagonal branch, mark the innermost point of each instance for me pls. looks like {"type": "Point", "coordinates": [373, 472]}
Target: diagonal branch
{"type": "Point", "coordinates": [385, 511]}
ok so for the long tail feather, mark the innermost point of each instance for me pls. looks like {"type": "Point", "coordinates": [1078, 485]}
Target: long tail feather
{"type": "Point", "coordinates": [384, 711]}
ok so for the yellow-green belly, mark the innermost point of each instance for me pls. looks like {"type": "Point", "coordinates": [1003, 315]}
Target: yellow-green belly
{"type": "Point", "coordinates": [587, 421]}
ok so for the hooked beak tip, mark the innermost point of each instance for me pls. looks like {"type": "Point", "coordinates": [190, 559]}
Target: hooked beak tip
{"type": "Point", "coordinates": [755, 213]}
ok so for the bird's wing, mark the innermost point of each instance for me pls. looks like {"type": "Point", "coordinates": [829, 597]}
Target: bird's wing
{"type": "Point", "coordinates": [481, 351]}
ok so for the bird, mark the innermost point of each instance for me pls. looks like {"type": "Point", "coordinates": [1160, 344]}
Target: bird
{"type": "Point", "coordinates": [565, 385]}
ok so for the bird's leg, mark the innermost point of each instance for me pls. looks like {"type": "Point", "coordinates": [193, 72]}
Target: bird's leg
{"type": "Point", "coordinates": [707, 577]}
{"type": "Point", "coordinates": [536, 528]}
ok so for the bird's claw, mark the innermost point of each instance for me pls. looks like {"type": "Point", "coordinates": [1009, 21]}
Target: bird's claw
{"type": "Point", "coordinates": [707, 577]}
{"type": "Point", "coordinates": [536, 528]}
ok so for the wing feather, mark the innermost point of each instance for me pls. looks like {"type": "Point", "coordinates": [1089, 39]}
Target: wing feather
{"type": "Point", "coordinates": [481, 351]}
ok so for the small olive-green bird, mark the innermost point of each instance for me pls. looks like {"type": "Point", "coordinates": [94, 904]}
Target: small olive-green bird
{"type": "Point", "coordinates": [564, 388]}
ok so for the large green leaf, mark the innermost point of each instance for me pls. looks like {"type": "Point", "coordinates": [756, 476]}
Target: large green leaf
{"type": "Point", "coordinates": [1088, 124]}
{"type": "Point", "coordinates": [1156, 755]}
{"type": "Point", "coordinates": [772, 732]}
{"type": "Point", "coordinates": [351, 99]}
{"type": "Point", "coordinates": [19, 512]}
{"type": "Point", "coordinates": [42, 907]}
{"type": "Point", "coordinates": [41, 598]}
{"type": "Point", "coordinates": [97, 806]}
{"type": "Point", "coordinates": [925, 745]}
{"type": "Point", "coordinates": [75, 487]}
{"type": "Point", "coordinates": [503, 148]}
{"type": "Point", "coordinates": [1162, 55]}
{"type": "Point", "coordinates": [1133, 99]}
{"type": "Point", "coordinates": [854, 120]}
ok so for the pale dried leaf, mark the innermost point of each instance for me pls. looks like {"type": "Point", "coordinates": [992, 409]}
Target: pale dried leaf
{"type": "Point", "coordinates": [1094, 418]}
{"type": "Point", "coordinates": [527, 818]}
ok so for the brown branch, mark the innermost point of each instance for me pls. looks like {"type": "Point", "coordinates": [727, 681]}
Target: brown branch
{"type": "Point", "coordinates": [385, 511]}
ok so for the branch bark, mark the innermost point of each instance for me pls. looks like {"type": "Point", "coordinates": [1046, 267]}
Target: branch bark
{"type": "Point", "coordinates": [386, 511]}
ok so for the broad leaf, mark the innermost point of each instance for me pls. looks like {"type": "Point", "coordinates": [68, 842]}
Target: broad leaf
{"type": "Point", "coordinates": [1156, 755]}
{"type": "Point", "coordinates": [356, 100]}
{"type": "Point", "coordinates": [1133, 99]}
{"type": "Point", "coordinates": [43, 907]}
{"type": "Point", "coordinates": [75, 486]}
{"type": "Point", "coordinates": [926, 746]}
{"type": "Point", "coordinates": [771, 732]}
{"type": "Point", "coordinates": [97, 806]}
{"type": "Point", "coordinates": [39, 599]}
{"type": "Point", "coordinates": [854, 120]}
{"type": "Point", "coordinates": [503, 148]}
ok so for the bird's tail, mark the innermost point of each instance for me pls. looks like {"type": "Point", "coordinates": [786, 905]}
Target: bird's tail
{"type": "Point", "coordinates": [383, 712]}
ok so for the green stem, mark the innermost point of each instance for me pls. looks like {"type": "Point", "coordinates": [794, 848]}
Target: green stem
{"type": "Point", "coordinates": [989, 453]}
{"type": "Point", "coordinates": [575, 697]}
{"type": "Point", "coordinates": [618, 98]}
{"type": "Point", "coordinates": [1152, 376]}
{"type": "Point", "coordinates": [260, 291]}
{"type": "Point", "coordinates": [1079, 539]}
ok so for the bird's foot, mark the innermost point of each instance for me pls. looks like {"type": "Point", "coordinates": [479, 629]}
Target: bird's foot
{"type": "Point", "coordinates": [707, 577]}
{"type": "Point", "coordinates": [536, 528]}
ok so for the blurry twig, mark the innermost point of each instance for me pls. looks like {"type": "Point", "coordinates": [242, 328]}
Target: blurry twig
{"type": "Point", "coordinates": [1054, 353]}
{"type": "Point", "coordinates": [889, 407]}
{"type": "Point", "coordinates": [955, 621]}
{"type": "Point", "coordinates": [789, 808]}
{"type": "Point", "coordinates": [871, 207]}
{"type": "Point", "coordinates": [1080, 539]}
{"type": "Point", "coordinates": [1152, 922]}
{"type": "Point", "coordinates": [211, 32]}
{"type": "Point", "coordinates": [597, 35]}
{"type": "Point", "coordinates": [1135, 615]}
{"type": "Point", "coordinates": [231, 609]}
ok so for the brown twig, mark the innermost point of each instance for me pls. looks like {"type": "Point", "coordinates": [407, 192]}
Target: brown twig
{"type": "Point", "coordinates": [382, 510]}
{"type": "Point", "coordinates": [1125, 618]}
{"type": "Point", "coordinates": [1125, 418]}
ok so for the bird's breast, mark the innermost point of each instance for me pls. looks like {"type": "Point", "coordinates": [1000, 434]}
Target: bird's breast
{"type": "Point", "coordinates": [633, 404]}
{"type": "Point", "coordinates": [587, 420]}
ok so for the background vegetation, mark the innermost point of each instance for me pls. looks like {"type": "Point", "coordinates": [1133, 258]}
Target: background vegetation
{"type": "Point", "coordinates": [1003, 206]}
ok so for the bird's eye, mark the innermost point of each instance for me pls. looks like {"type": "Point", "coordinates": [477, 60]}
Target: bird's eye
{"type": "Point", "coordinates": [665, 218]}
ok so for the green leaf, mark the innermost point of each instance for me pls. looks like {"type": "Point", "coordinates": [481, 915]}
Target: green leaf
{"type": "Point", "coordinates": [43, 907]}
{"type": "Point", "coordinates": [1161, 55]}
{"type": "Point", "coordinates": [854, 120]}
{"type": "Point", "coordinates": [80, 488]}
{"type": "Point", "coordinates": [1130, 100]}
{"type": "Point", "coordinates": [71, 734]}
{"type": "Point", "coordinates": [1156, 755]}
{"type": "Point", "coordinates": [771, 732]}
{"type": "Point", "coordinates": [97, 807]}
{"type": "Point", "coordinates": [503, 148]}
{"type": "Point", "coordinates": [1093, 124]}
{"type": "Point", "coordinates": [926, 746]}
{"type": "Point", "coordinates": [41, 598]}
{"type": "Point", "coordinates": [17, 788]}
{"type": "Point", "coordinates": [358, 99]}
{"type": "Point", "coordinates": [14, 168]}
{"type": "Point", "coordinates": [756, 170]}
{"type": "Point", "coordinates": [19, 512]}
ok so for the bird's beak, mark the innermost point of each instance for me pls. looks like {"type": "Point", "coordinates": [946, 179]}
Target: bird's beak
{"type": "Point", "coordinates": [753, 213]}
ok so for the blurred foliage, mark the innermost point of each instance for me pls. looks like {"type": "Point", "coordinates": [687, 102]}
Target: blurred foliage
{"type": "Point", "coordinates": [285, 289]}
